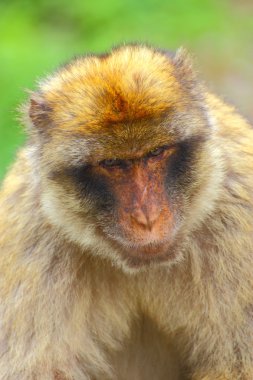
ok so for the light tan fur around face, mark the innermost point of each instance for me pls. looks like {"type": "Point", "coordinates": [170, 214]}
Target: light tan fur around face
{"type": "Point", "coordinates": [70, 308]}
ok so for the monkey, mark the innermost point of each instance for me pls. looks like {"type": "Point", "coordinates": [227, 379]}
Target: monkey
{"type": "Point", "coordinates": [126, 229]}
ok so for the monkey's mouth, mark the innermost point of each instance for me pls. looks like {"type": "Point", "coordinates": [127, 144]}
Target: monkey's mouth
{"type": "Point", "coordinates": [137, 255]}
{"type": "Point", "coordinates": [149, 254]}
{"type": "Point", "coordinates": [149, 250]}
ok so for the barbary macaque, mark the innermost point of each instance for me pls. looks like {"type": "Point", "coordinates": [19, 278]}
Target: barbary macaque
{"type": "Point", "coordinates": [126, 228]}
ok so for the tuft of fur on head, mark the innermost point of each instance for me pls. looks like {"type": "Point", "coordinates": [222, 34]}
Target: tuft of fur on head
{"type": "Point", "coordinates": [131, 83]}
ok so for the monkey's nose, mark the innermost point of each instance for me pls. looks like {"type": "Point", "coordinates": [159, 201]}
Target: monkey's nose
{"type": "Point", "coordinates": [145, 220]}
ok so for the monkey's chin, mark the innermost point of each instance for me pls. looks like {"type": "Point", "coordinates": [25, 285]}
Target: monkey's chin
{"type": "Point", "coordinates": [137, 256]}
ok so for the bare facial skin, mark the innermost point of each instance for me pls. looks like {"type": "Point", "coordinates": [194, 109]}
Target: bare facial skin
{"type": "Point", "coordinates": [126, 227]}
{"type": "Point", "coordinates": [142, 204]}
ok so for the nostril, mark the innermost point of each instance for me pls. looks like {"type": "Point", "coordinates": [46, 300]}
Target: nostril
{"type": "Point", "coordinates": [144, 219]}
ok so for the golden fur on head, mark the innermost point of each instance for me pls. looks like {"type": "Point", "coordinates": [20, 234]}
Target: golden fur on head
{"type": "Point", "coordinates": [71, 308]}
{"type": "Point", "coordinates": [93, 95]}
{"type": "Point", "coordinates": [116, 88]}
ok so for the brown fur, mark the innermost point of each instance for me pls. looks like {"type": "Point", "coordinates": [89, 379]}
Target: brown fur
{"type": "Point", "coordinates": [71, 307]}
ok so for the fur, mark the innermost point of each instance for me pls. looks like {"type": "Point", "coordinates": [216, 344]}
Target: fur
{"type": "Point", "coordinates": [71, 309]}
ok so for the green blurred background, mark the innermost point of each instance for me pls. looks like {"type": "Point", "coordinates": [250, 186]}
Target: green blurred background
{"type": "Point", "coordinates": [37, 36]}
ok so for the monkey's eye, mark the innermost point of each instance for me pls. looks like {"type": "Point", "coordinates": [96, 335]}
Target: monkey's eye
{"type": "Point", "coordinates": [111, 163]}
{"type": "Point", "coordinates": [157, 151]}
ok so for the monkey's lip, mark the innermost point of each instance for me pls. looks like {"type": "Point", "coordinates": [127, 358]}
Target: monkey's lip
{"type": "Point", "coordinates": [137, 255]}
{"type": "Point", "coordinates": [148, 249]}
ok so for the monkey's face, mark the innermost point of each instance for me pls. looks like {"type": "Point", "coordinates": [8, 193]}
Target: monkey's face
{"type": "Point", "coordinates": [126, 157]}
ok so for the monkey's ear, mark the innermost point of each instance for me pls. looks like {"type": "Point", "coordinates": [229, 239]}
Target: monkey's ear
{"type": "Point", "coordinates": [183, 61]}
{"type": "Point", "coordinates": [39, 112]}
{"type": "Point", "coordinates": [186, 72]}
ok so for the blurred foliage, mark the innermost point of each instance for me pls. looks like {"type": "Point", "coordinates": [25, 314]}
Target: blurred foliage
{"type": "Point", "coordinates": [36, 36]}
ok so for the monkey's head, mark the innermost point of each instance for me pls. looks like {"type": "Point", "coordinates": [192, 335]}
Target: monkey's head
{"type": "Point", "coordinates": [126, 153]}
